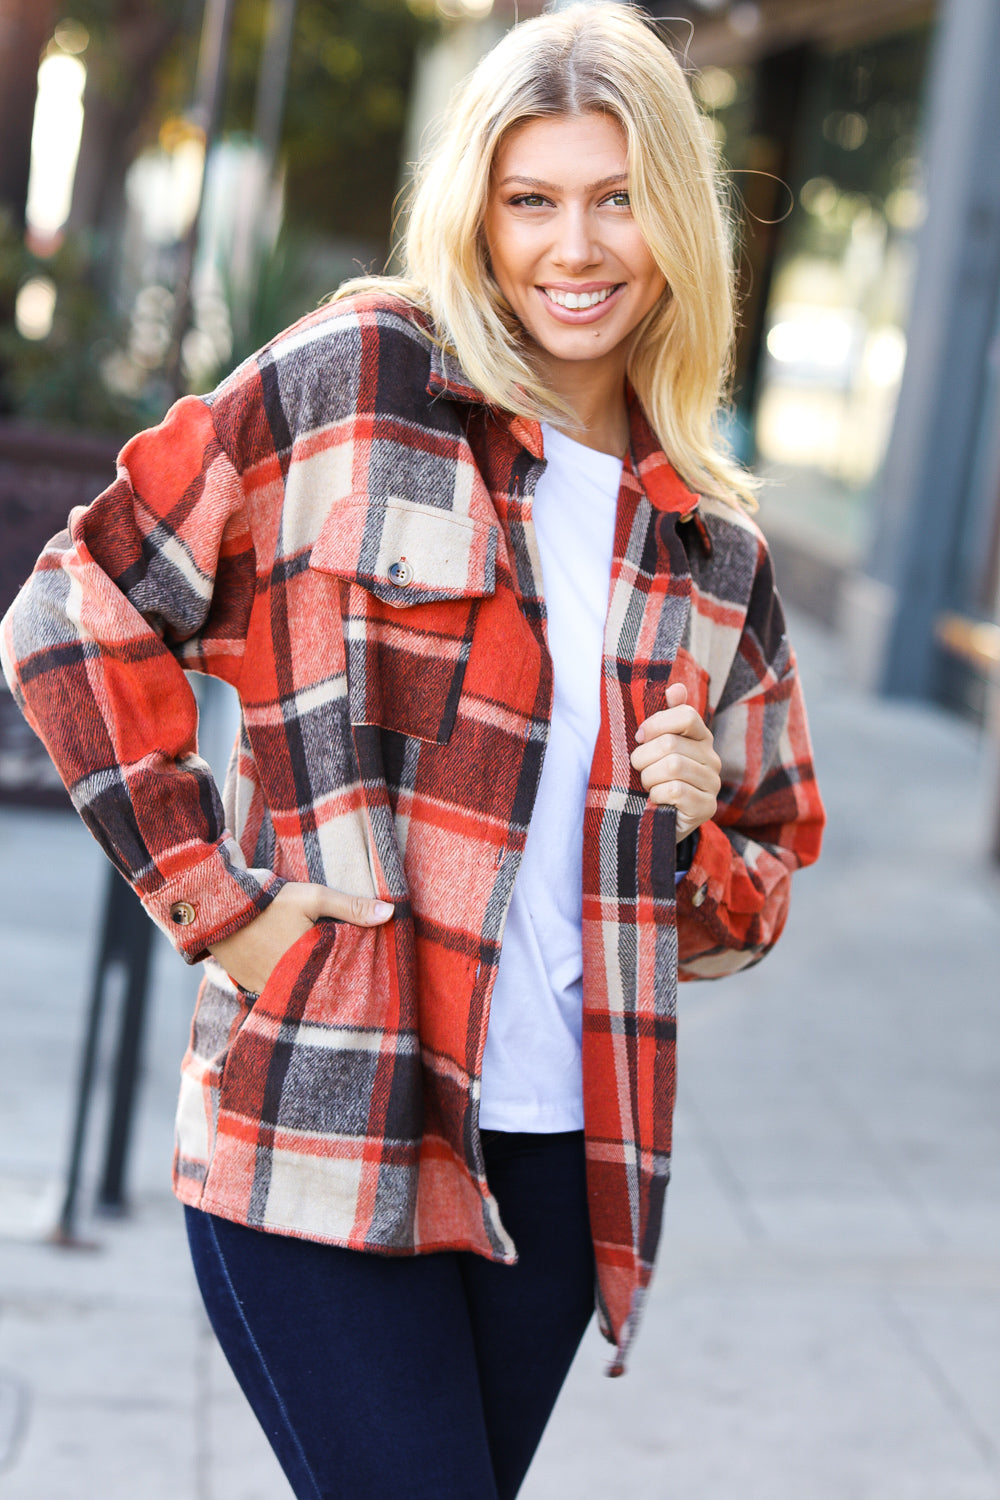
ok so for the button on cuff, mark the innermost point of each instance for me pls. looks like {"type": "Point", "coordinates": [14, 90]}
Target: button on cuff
{"type": "Point", "coordinates": [182, 914]}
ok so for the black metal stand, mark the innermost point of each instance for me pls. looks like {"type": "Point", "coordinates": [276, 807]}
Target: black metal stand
{"type": "Point", "coordinates": [126, 940]}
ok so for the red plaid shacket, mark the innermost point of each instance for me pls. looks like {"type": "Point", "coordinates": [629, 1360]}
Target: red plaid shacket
{"type": "Point", "coordinates": [343, 532]}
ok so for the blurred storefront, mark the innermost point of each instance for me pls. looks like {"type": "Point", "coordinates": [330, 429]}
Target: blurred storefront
{"type": "Point", "coordinates": [823, 358]}
{"type": "Point", "coordinates": [862, 140]}
{"type": "Point", "coordinates": [818, 111]}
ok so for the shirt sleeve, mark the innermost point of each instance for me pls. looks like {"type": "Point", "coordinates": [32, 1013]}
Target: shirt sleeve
{"type": "Point", "coordinates": [154, 577]}
{"type": "Point", "coordinates": [732, 902]}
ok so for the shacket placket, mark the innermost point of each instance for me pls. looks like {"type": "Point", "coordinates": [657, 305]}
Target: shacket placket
{"type": "Point", "coordinates": [514, 514]}
{"type": "Point", "coordinates": [636, 1069]}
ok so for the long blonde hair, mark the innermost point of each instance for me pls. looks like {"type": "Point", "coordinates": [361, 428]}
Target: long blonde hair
{"type": "Point", "coordinates": [586, 59]}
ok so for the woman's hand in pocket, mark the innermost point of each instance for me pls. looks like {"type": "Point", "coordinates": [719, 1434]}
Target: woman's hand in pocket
{"type": "Point", "coordinates": [250, 955]}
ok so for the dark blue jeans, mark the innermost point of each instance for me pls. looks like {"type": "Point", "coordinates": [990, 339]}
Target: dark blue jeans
{"type": "Point", "coordinates": [424, 1377]}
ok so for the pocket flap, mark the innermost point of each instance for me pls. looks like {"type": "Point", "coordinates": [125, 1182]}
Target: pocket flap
{"type": "Point", "coordinates": [405, 552]}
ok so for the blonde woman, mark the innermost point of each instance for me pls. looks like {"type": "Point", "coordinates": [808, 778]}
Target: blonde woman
{"type": "Point", "coordinates": [475, 823]}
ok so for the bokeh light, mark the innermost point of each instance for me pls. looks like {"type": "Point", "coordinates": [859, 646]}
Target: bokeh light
{"type": "Point", "coordinates": [35, 308]}
{"type": "Point", "coordinates": [55, 142]}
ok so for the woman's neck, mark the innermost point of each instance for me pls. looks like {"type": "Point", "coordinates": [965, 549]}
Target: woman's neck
{"type": "Point", "coordinates": [598, 398]}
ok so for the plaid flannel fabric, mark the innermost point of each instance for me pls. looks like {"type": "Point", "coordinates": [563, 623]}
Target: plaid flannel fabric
{"type": "Point", "coordinates": [343, 532]}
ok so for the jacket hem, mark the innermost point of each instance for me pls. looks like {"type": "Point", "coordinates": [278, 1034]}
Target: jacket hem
{"type": "Point", "coordinates": [191, 1193]}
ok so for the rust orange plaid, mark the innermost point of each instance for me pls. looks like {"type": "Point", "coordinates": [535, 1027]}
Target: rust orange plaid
{"type": "Point", "coordinates": [343, 532]}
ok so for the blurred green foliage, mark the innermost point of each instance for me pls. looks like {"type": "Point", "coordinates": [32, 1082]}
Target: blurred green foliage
{"type": "Point", "coordinates": [287, 281]}
{"type": "Point", "coordinates": [104, 372]}
{"type": "Point", "coordinates": [351, 68]}
{"type": "Point", "coordinates": [349, 81]}
{"type": "Point", "coordinates": [349, 84]}
{"type": "Point", "coordinates": [60, 379]}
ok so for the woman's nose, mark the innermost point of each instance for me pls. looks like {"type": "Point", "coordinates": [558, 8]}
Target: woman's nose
{"type": "Point", "coordinates": [576, 245]}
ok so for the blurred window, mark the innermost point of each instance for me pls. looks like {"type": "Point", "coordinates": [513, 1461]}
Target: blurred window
{"type": "Point", "coordinates": [834, 329]}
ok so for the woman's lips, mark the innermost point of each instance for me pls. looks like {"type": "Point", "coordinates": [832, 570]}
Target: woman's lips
{"type": "Point", "coordinates": [579, 314]}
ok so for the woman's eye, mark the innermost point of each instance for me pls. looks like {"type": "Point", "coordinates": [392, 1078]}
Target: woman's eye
{"type": "Point", "coordinates": [527, 200]}
{"type": "Point", "coordinates": [620, 199]}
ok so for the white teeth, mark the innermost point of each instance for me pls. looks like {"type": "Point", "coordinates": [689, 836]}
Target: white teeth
{"type": "Point", "coordinates": [576, 300]}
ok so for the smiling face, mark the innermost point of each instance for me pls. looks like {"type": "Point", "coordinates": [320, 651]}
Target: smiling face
{"type": "Point", "coordinates": [565, 250]}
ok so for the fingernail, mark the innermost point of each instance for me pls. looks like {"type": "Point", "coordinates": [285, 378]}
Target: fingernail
{"type": "Point", "coordinates": [639, 736]}
{"type": "Point", "coordinates": [381, 910]}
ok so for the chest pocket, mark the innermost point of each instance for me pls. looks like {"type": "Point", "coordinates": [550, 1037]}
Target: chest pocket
{"type": "Point", "coordinates": [412, 578]}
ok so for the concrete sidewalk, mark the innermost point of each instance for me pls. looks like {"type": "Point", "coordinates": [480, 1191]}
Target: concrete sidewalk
{"type": "Point", "coordinates": [825, 1324]}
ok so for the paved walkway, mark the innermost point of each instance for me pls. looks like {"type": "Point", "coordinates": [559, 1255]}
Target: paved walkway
{"type": "Point", "coordinates": [826, 1320]}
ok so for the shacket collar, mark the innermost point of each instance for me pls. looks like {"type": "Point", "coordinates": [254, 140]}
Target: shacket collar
{"type": "Point", "coordinates": [657, 475]}
{"type": "Point", "coordinates": [448, 378]}
{"type": "Point", "coordinates": [659, 479]}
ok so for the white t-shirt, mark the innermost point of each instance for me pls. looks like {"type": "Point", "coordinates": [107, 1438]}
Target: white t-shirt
{"type": "Point", "coordinates": [531, 1066]}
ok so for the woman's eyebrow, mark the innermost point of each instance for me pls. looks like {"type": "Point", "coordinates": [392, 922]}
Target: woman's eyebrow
{"type": "Point", "coordinates": [553, 187]}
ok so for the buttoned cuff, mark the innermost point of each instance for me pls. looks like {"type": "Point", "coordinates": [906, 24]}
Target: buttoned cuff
{"type": "Point", "coordinates": [213, 899]}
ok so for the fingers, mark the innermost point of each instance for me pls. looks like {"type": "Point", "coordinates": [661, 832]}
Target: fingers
{"type": "Point", "coordinates": [676, 748]}
{"type": "Point", "coordinates": [693, 803]}
{"type": "Point", "coordinates": [250, 955]}
{"type": "Point", "coordinates": [316, 901]}
{"type": "Point", "coordinates": [679, 770]}
{"type": "Point", "coordinates": [693, 806]}
{"type": "Point", "coordinates": [362, 911]}
{"type": "Point", "coordinates": [677, 762]}
{"type": "Point", "coordinates": [680, 719]}
{"type": "Point", "coordinates": [686, 825]}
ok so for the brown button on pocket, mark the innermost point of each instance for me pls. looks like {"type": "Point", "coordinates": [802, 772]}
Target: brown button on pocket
{"type": "Point", "coordinates": [415, 576]}
{"type": "Point", "coordinates": [407, 553]}
{"type": "Point", "coordinates": [182, 913]}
